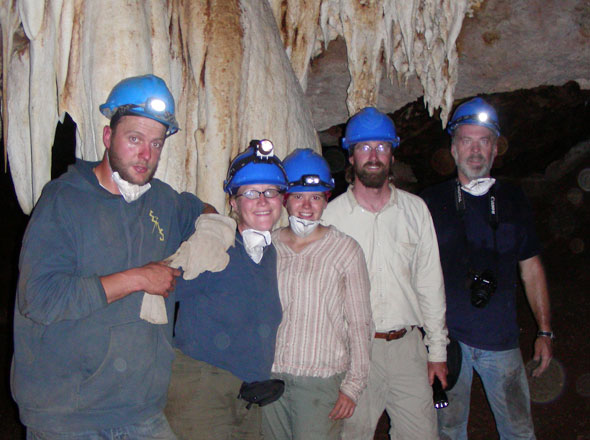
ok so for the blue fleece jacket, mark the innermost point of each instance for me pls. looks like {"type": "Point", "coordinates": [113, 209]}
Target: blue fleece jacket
{"type": "Point", "coordinates": [80, 363]}
{"type": "Point", "coordinates": [230, 318]}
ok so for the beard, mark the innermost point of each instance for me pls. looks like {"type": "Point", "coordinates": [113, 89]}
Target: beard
{"type": "Point", "coordinates": [372, 178]}
{"type": "Point", "coordinates": [473, 172]}
{"type": "Point", "coordinates": [118, 164]}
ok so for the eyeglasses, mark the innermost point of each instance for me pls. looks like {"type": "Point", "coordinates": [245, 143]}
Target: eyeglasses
{"type": "Point", "coordinates": [379, 149]}
{"type": "Point", "coordinates": [252, 194]}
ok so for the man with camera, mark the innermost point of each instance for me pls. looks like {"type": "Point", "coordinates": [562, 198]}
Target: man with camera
{"type": "Point", "coordinates": [485, 231]}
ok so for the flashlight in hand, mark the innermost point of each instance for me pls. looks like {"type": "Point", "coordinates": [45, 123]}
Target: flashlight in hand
{"type": "Point", "coordinates": [438, 395]}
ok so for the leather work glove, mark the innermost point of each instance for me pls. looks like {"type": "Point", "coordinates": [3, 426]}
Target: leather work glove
{"type": "Point", "coordinates": [205, 250]}
{"type": "Point", "coordinates": [153, 309]}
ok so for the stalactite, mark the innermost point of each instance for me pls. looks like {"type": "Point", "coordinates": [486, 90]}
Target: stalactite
{"type": "Point", "coordinates": [224, 62]}
{"type": "Point", "coordinates": [408, 37]}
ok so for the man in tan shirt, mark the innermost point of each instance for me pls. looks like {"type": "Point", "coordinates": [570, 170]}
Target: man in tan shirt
{"type": "Point", "coordinates": [395, 231]}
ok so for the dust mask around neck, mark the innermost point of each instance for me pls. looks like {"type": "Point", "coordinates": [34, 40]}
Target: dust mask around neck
{"type": "Point", "coordinates": [255, 242]}
{"type": "Point", "coordinates": [130, 191]}
{"type": "Point", "coordinates": [301, 227]}
{"type": "Point", "coordinates": [479, 187]}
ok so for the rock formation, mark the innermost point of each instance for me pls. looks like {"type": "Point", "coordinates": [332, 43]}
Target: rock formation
{"type": "Point", "coordinates": [277, 69]}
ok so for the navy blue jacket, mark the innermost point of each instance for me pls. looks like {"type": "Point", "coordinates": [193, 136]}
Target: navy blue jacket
{"type": "Point", "coordinates": [466, 243]}
{"type": "Point", "coordinates": [229, 319]}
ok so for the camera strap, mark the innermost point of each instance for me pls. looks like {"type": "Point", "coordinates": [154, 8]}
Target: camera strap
{"type": "Point", "coordinates": [493, 219]}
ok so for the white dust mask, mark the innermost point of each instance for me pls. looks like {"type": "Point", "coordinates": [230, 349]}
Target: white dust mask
{"type": "Point", "coordinates": [479, 187]}
{"type": "Point", "coordinates": [301, 227]}
{"type": "Point", "coordinates": [130, 191]}
{"type": "Point", "coordinates": [254, 243]}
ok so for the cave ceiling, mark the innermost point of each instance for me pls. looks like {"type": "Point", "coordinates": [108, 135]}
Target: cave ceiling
{"type": "Point", "coordinates": [286, 69]}
{"type": "Point", "coordinates": [505, 46]}
{"type": "Point", "coordinates": [529, 58]}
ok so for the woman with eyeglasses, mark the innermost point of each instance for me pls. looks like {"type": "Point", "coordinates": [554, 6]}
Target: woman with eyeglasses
{"type": "Point", "coordinates": [227, 321]}
{"type": "Point", "coordinates": [323, 342]}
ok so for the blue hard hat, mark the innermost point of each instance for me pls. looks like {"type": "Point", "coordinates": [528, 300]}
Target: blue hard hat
{"type": "Point", "coordinates": [307, 171]}
{"type": "Point", "coordinates": [256, 165]}
{"type": "Point", "coordinates": [369, 125]}
{"type": "Point", "coordinates": [146, 96]}
{"type": "Point", "coordinates": [476, 111]}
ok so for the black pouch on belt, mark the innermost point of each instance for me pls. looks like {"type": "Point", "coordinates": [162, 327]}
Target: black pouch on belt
{"type": "Point", "coordinates": [261, 393]}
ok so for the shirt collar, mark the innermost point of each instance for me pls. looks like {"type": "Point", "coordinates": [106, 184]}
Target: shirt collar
{"type": "Point", "coordinates": [353, 203]}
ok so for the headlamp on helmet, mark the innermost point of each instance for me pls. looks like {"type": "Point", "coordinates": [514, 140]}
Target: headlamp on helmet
{"type": "Point", "coordinates": [307, 171]}
{"type": "Point", "coordinates": [146, 96]}
{"type": "Point", "coordinates": [475, 112]}
{"type": "Point", "coordinates": [256, 165]}
{"type": "Point", "coordinates": [157, 105]}
{"type": "Point", "coordinates": [312, 180]}
{"type": "Point", "coordinates": [265, 149]}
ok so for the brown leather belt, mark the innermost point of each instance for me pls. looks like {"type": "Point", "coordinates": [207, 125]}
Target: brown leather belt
{"type": "Point", "coordinates": [393, 334]}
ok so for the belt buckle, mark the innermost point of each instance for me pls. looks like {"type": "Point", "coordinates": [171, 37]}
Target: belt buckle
{"type": "Point", "coordinates": [395, 334]}
{"type": "Point", "coordinates": [391, 335]}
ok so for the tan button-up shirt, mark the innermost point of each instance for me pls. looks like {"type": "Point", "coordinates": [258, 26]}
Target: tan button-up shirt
{"type": "Point", "coordinates": [400, 246]}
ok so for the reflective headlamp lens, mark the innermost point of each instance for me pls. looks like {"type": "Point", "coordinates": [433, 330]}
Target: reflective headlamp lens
{"type": "Point", "coordinates": [157, 105]}
{"type": "Point", "coordinates": [265, 147]}
{"type": "Point", "coordinates": [310, 180]}
{"type": "Point", "coordinates": [482, 117]}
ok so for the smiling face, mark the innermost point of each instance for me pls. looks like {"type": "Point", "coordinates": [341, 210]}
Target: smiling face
{"type": "Point", "coordinates": [260, 214]}
{"type": "Point", "coordinates": [134, 147]}
{"type": "Point", "coordinates": [474, 149]}
{"type": "Point", "coordinates": [372, 161]}
{"type": "Point", "coordinates": [306, 205]}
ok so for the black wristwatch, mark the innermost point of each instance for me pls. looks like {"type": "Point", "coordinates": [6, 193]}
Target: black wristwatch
{"type": "Point", "coordinates": [549, 335]}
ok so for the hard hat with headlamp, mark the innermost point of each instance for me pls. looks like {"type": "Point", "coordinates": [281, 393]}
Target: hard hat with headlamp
{"type": "Point", "coordinates": [369, 125]}
{"type": "Point", "coordinates": [476, 111]}
{"type": "Point", "coordinates": [146, 96]}
{"type": "Point", "coordinates": [307, 171]}
{"type": "Point", "coordinates": [256, 165]}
